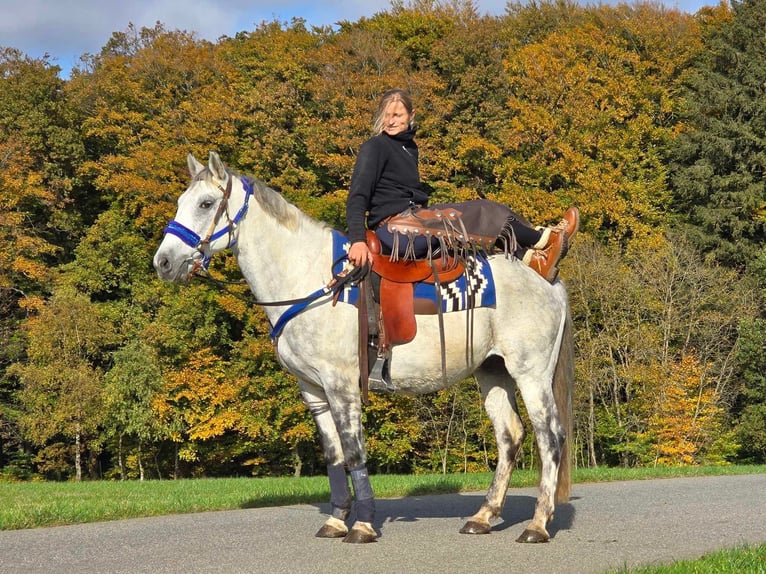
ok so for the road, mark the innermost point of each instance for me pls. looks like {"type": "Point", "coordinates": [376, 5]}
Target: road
{"type": "Point", "coordinates": [605, 526]}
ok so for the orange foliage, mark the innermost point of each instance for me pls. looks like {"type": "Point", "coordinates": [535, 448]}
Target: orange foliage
{"type": "Point", "coordinates": [203, 396]}
{"type": "Point", "coordinates": [684, 414]}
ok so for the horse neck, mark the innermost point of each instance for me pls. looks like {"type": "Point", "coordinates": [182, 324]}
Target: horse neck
{"type": "Point", "coordinates": [283, 260]}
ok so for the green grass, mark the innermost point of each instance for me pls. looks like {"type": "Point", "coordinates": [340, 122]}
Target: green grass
{"type": "Point", "coordinates": [36, 504]}
{"type": "Point", "coordinates": [744, 560]}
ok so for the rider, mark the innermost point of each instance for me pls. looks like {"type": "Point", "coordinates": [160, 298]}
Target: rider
{"type": "Point", "coordinates": [386, 182]}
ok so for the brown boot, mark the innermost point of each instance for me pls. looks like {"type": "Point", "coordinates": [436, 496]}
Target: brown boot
{"type": "Point", "coordinates": [570, 224]}
{"type": "Point", "coordinates": [545, 261]}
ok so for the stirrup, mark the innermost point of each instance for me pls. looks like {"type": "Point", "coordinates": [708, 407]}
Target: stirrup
{"type": "Point", "coordinates": [380, 378]}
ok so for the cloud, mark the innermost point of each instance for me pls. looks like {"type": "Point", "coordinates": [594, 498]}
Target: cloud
{"type": "Point", "coordinates": [67, 29]}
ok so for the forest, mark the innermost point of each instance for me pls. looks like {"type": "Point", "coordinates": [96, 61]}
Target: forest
{"type": "Point", "coordinates": [651, 120]}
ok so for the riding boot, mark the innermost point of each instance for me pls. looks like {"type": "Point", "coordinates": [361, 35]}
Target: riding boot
{"type": "Point", "coordinates": [569, 225]}
{"type": "Point", "coordinates": [545, 260]}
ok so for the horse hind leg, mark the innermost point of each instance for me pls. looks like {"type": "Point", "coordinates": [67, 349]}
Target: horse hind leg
{"type": "Point", "coordinates": [340, 495]}
{"type": "Point", "coordinates": [550, 438]}
{"type": "Point", "coordinates": [550, 411]}
{"type": "Point", "coordinates": [498, 390]}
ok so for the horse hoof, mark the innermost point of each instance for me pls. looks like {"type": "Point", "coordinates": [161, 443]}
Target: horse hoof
{"type": "Point", "coordinates": [533, 536]}
{"type": "Point", "coordinates": [474, 527]}
{"type": "Point", "coordinates": [329, 531]}
{"type": "Point", "coordinates": [358, 537]}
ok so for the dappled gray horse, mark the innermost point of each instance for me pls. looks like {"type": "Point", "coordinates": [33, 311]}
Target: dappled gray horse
{"type": "Point", "coordinates": [524, 341]}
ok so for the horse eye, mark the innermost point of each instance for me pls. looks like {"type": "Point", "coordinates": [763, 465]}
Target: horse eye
{"type": "Point", "coordinates": [207, 204]}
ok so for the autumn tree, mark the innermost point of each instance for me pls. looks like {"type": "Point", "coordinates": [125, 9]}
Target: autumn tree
{"type": "Point", "coordinates": [659, 322]}
{"type": "Point", "coordinates": [686, 422]}
{"type": "Point", "coordinates": [552, 103]}
{"type": "Point", "coordinates": [594, 99]}
{"type": "Point", "coordinates": [42, 211]}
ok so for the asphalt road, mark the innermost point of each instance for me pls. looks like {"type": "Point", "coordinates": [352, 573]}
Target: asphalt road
{"type": "Point", "coordinates": [605, 526]}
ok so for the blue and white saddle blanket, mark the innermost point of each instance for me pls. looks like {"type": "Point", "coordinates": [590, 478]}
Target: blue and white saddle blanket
{"type": "Point", "coordinates": [475, 288]}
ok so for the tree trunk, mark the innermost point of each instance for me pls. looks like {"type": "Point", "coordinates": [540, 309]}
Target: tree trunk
{"type": "Point", "coordinates": [120, 461]}
{"type": "Point", "coordinates": [77, 457]}
{"type": "Point", "coordinates": [591, 430]}
{"type": "Point", "coordinates": [297, 462]}
{"type": "Point", "coordinates": [140, 463]}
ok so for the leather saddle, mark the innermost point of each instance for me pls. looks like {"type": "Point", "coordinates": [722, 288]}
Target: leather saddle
{"type": "Point", "coordinates": [395, 294]}
{"type": "Point", "coordinates": [388, 306]}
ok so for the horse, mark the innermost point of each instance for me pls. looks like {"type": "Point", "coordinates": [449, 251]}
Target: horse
{"type": "Point", "coordinates": [524, 341]}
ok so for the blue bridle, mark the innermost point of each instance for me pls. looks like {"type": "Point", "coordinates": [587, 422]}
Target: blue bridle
{"type": "Point", "coordinates": [193, 240]}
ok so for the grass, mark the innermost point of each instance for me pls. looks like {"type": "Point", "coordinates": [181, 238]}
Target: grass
{"type": "Point", "coordinates": [744, 560]}
{"type": "Point", "coordinates": [36, 504]}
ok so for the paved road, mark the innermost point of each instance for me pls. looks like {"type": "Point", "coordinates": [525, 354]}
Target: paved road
{"type": "Point", "coordinates": [605, 526]}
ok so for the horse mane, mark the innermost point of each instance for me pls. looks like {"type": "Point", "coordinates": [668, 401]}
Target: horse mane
{"type": "Point", "coordinates": [273, 203]}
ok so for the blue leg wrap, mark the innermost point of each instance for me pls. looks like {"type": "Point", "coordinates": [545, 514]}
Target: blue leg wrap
{"type": "Point", "coordinates": [340, 495]}
{"type": "Point", "coordinates": [365, 499]}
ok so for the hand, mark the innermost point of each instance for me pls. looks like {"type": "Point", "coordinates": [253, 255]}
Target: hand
{"type": "Point", "coordinates": [359, 254]}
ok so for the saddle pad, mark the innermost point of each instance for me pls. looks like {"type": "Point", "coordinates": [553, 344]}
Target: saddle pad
{"type": "Point", "coordinates": [474, 289]}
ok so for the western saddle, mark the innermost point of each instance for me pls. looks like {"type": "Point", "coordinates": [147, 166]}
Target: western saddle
{"type": "Point", "coordinates": [388, 306]}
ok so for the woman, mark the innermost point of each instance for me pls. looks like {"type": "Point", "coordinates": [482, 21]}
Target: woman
{"type": "Point", "coordinates": [386, 182]}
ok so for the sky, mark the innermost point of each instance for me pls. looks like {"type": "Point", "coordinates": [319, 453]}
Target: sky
{"type": "Point", "coordinates": [67, 29]}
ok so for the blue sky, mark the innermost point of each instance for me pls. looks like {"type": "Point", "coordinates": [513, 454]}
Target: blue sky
{"type": "Point", "coordinates": [67, 29]}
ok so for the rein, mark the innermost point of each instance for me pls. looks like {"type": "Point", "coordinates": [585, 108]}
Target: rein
{"type": "Point", "coordinates": [338, 282]}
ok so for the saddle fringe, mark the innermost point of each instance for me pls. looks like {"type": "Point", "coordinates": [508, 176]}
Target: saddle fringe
{"type": "Point", "coordinates": [448, 227]}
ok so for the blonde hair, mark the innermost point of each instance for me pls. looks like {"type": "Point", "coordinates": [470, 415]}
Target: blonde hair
{"type": "Point", "coordinates": [388, 97]}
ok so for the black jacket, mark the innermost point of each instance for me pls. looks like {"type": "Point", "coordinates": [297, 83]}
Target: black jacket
{"type": "Point", "coordinates": [385, 181]}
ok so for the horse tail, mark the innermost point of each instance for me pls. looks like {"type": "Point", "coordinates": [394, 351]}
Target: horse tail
{"type": "Point", "coordinates": [563, 383]}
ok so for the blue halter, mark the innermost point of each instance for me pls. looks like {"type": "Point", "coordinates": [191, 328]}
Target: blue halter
{"type": "Point", "coordinates": [191, 238]}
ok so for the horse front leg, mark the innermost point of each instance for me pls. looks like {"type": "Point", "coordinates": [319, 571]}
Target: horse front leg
{"type": "Point", "coordinates": [346, 407]}
{"type": "Point", "coordinates": [339, 422]}
{"type": "Point", "coordinates": [340, 495]}
{"type": "Point", "coordinates": [500, 405]}
{"type": "Point", "coordinates": [550, 437]}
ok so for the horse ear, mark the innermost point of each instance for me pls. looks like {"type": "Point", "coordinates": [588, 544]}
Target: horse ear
{"type": "Point", "coordinates": [194, 166]}
{"type": "Point", "coordinates": [216, 166]}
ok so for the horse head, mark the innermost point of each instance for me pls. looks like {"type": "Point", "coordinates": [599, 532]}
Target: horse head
{"type": "Point", "coordinates": [206, 221]}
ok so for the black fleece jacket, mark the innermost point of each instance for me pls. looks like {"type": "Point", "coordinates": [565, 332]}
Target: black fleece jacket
{"type": "Point", "coordinates": [385, 181]}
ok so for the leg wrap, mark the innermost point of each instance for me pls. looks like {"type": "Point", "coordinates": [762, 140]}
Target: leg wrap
{"type": "Point", "coordinates": [365, 500]}
{"type": "Point", "coordinates": [340, 495]}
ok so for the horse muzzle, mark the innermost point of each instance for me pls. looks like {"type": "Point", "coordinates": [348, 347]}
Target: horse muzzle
{"type": "Point", "coordinates": [179, 272]}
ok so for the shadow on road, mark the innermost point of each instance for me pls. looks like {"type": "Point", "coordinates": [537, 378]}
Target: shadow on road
{"type": "Point", "coordinates": [517, 509]}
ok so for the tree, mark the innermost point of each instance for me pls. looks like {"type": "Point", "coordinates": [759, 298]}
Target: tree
{"type": "Point", "coordinates": [551, 104]}
{"type": "Point", "coordinates": [130, 387]}
{"type": "Point", "coordinates": [720, 159]}
{"type": "Point", "coordinates": [41, 209]}
{"type": "Point", "coordinates": [593, 102]}
{"type": "Point", "coordinates": [686, 418]}
{"type": "Point", "coordinates": [61, 383]}
{"type": "Point", "coordinates": [657, 324]}
{"type": "Point", "coordinates": [751, 422]}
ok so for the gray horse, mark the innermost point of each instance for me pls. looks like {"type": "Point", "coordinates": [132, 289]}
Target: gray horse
{"type": "Point", "coordinates": [524, 341]}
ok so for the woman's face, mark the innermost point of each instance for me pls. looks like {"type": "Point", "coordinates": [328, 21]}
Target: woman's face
{"type": "Point", "coordinates": [396, 119]}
